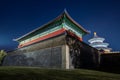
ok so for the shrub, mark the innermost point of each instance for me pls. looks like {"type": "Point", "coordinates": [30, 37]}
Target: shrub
{"type": "Point", "coordinates": [2, 55]}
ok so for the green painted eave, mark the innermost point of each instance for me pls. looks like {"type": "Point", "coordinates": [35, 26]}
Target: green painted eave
{"type": "Point", "coordinates": [42, 29]}
{"type": "Point", "coordinates": [75, 27]}
{"type": "Point", "coordinates": [68, 20]}
{"type": "Point", "coordinates": [64, 17]}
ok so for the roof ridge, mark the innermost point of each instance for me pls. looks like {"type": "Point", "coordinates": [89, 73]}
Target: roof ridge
{"type": "Point", "coordinates": [64, 13]}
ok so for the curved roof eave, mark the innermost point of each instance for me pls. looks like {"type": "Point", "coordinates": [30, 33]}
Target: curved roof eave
{"type": "Point", "coordinates": [52, 21]}
{"type": "Point", "coordinates": [44, 25]}
{"type": "Point", "coordinates": [66, 13]}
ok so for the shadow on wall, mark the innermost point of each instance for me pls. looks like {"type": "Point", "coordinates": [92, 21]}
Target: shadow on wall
{"type": "Point", "coordinates": [82, 55]}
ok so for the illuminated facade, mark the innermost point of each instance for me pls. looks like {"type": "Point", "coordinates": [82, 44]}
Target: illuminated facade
{"type": "Point", "coordinates": [57, 44]}
{"type": "Point", "coordinates": [63, 23]}
{"type": "Point", "coordinates": [98, 42]}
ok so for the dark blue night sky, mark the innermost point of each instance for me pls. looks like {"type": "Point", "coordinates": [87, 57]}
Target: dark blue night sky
{"type": "Point", "coordinates": [18, 17]}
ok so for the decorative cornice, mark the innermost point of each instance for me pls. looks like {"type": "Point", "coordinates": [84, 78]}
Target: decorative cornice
{"type": "Point", "coordinates": [64, 14]}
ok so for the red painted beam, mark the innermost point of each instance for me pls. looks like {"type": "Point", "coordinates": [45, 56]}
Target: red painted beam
{"type": "Point", "coordinates": [72, 34]}
{"type": "Point", "coordinates": [58, 32]}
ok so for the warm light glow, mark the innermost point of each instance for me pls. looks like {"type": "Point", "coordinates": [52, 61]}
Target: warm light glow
{"type": "Point", "coordinates": [95, 34]}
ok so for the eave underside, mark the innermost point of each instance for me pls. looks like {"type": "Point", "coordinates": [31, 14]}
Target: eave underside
{"type": "Point", "coordinates": [64, 17]}
{"type": "Point", "coordinates": [54, 34]}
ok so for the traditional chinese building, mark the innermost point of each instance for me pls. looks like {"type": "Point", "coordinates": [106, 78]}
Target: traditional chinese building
{"type": "Point", "coordinates": [57, 44]}
{"type": "Point", "coordinates": [97, 42]}
{"type": "Point", "coordinates": [63, 23]}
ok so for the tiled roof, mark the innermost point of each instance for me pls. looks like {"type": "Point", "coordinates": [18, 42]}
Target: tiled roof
{"type": "Point", "coordinates": [65, 13]}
